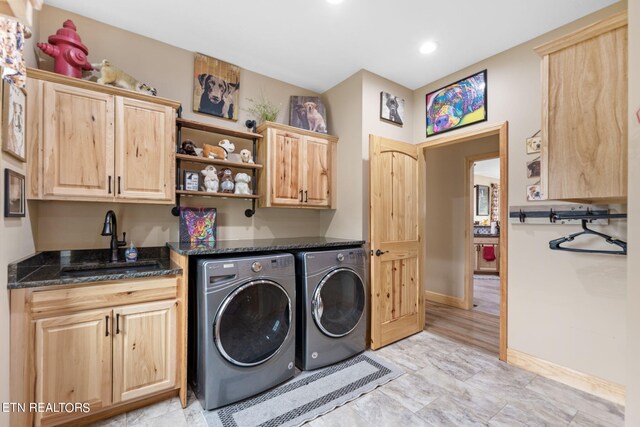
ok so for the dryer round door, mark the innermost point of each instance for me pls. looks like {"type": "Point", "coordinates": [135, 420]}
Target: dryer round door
{"type": "Point", "coordinates": [339, 302]}
{"type": "Point", "coordinates": [253, 323]}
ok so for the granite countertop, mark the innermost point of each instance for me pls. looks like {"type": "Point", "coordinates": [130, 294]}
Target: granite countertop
{"type": "Point", "coordinates": [486, 235]}
{"type": "Point", "coordinates": [260, 245]}
{"type": "Point", "coordinates": [68, 267]}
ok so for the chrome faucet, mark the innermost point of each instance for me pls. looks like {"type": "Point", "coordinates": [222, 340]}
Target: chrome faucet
{"type": "Point", "coordinates": [110, 228]}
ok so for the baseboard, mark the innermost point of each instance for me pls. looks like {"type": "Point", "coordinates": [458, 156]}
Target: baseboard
{"type": "Point", "coordinates": [444, 299]}
{"type": "Point", "coordinates": [590, 384]}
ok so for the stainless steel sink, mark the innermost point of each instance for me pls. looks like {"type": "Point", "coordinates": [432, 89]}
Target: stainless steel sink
{"type": "Point", "coordinates": [109, 268]}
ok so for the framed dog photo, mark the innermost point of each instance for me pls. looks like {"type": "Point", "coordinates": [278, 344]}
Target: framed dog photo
{"type": "Point", "coordinates": [534, 192]}
{"type": "Point", "coordinates": [533, 168]}
{"type": "Point", "coordinates": [14, 194]}
{"type": "Point", "coordinates": [308, 112]}
{"type": "Point", "coordinates": [216, 87]}
{"type": "Point", "coordinates": [191, 181]}
{"type": "Point", "coordinates": [13, 121]}
{"type": "Point", "coordinates": [460, 104]}
{"type": "Point", "coordinates": [534, 144]}
{"type": "Point", "coordinates": [391, 108]}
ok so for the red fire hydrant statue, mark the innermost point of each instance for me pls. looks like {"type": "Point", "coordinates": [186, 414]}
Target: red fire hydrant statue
{"type": "Point", "coordinates": [67, 50]}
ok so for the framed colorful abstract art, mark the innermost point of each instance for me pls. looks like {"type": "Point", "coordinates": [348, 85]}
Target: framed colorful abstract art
{"type": "Point", "coordinates": [198, 225]}
{"type": "Point", "coordinates": [457, 105]}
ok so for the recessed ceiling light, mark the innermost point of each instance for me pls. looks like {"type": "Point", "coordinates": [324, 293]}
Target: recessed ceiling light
{"type": "Point", "coordinates": [428, 47]}
{"type": "Point", "coordinates": [335, 1]}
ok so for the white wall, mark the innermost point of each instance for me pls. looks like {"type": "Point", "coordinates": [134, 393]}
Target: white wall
{"type": "Point", "coordinates": [565, 308]}
{"type": "Point", "coordinates": [633, 283]}
{"type": "Point", "coordinates": [446, 214]}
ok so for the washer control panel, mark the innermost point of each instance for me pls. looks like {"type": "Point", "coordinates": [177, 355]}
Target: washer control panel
{"type": "Point", "coordinates": [340, 257]}
{"type": "Point", "coordinates": [256, 267]}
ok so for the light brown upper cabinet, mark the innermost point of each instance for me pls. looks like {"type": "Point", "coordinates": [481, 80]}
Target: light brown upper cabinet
{"type": "Point", "coordinates": [92, 142]}
{"type": "Point", "coordinates": [300, 167]}
{"type": "Point", "coordinates": [584, 113]}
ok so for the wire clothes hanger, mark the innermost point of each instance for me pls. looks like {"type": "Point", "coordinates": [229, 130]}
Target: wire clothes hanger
{"type": "Point", "coordinates": [555, 244]}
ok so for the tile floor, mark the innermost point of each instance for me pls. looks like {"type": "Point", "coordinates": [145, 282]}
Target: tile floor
{"type": "Point", "coordinates": [445, 384]}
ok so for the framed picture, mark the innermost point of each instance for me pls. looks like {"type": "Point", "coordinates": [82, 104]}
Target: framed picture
{"type": "Point", "coordinates": [391, 108]}
{"type": "Point", "coordinates": [534, 144]}
{"type": "Point", "coordinates": [216, 87]}
{"type": "Point", "coordinates": [13, 120]}
{"type": "Point", "coordinates": [308, 112]}
{"type": "Point", "coordinates": [457, 105]}
{"type": "Point", "coordinates": [14, 194]}
{"type": "Point", "coordinates": [533, 192]}
{"type": "Point", "coordinates": [191, 180]}
{"type": "Point", "coordinates": [533, 168]}
{"type": "Point", "coordinates": [482, 200]}
{"type": "Point", "coordinates": [198, 225]}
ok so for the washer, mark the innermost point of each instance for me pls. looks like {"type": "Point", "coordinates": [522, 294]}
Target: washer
{"type": "Point", "coordinates": [332, 306]}
{"type": "Point", "coordinates": [245, 329]}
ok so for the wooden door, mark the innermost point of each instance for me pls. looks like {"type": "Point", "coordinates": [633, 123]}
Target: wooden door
{"type": "Point", "coordinates": [144, 349]}
{"type": "Point", "coordinates": [286, 165]}
{"type": "Point", "coordinates": [145, 147]}
{"type": "Point", "coordinates": [78, 140]}
{"type": "Point", "coordinates": [73, 362]}
{"type": "Point", "coordinates": [317, 161]}
{"type": "Point", "coordinates": [396, 289]}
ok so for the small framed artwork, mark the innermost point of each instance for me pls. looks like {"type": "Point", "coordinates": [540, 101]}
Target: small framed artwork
{"type": "Point", "coordinates": [534, 144]}
{"type": "Point", "coordinates": [533, 168]}
{"type": "Point", "coordinates": [216, 87]}
{"type": "Point", "coordinates": [191, 180]}
{"type": "Point", "coordinates": [308, 112]}
{"type": "Point", "coordinates": [14, 194]}
{"type": "Point", "coordinates": [457, 105]}
{"type": "Point", "coordinates": [13, 120]}
{"type": "Point", "coordinates": [391, 108]}
{"type": "Point", "coordinates": [533, 192]}
{"type": "Point", "coordinates": [482, 200]}
{"type": "Point", "coordinates": [198, 225]}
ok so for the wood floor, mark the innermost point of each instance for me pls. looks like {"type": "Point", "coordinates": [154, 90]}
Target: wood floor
{"type": "Point", "coordinates": [471, 327]}
{"type": "Point", "coordinates": [486, 294]}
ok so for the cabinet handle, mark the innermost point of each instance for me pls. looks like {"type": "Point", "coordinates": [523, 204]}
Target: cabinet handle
{"type": "Point", "coordinates": [106, 327]}
{"type": "Point", "coordinates": [300, 196]}
{"type": "Point", "coordinates": [306, 198]}
{"type": "Point", "coordinates": [109, 185]}
{"type": "Point", "coordinates": [119, 192]}
{"type": "Point", "coordinates": [117, 324]}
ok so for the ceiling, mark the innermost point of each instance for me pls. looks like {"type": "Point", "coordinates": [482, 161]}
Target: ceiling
{"type": "Point", "coordinates": [489, 168]}
{"type": "Point", "coordinates": [315, 45]}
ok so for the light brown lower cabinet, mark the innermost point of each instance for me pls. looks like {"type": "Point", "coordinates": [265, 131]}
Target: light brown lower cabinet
{"type": "Point", "coordinates": [481, 265]}
{"type": "Point", "coordinates": [101, 344]}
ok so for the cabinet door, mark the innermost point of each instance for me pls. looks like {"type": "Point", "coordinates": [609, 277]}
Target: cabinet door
{"type": "Point", "coordinates": [317, 161]}
{"type": "Point", "coordinates": [78, 138]}
{"type": "Point", "coordinates": [73, 362]}
{"type": "Point", "coordinates": [145, 147]}
{"type": "Point", "coordinates": [144, 349]}
{"type": "Point", "coordinates": [286, 167]}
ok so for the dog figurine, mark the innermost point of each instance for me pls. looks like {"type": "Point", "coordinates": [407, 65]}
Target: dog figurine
{"type": "Point", "coordinates": [226, 180]}
{"type": "Point", "coordinates": [211, 180]}
{"type": "Point", "coordinates": [245, 156]}
{"type": "Point", "coordinates": [316, 121]}
{"type": "Point", "coordinates": [242, 184]}
{"type": "Point", "coordinates": [213, 152]}
{"type": "Point", "coordinates": [188, 147]}
{"type": "Point", "coordinates": [112, 75]}
{"type": "Point", "coordinates": [217, 96]}
{"type": "Point", "coordinates": [392, 105]}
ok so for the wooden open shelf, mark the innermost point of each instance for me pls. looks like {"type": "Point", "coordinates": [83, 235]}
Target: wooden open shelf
{"type": "Point", "coordinates": [225, 163]}
{"type": "Point", "coordinates": [208, 194]}
{"type": "Point", "coordinates": [190, 124]}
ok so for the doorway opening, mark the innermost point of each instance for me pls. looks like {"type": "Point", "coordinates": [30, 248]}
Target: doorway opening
{"type": "Point", "coordinates": [465, 250]}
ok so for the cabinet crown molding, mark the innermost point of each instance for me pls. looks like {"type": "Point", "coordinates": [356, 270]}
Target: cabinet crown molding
{"type": "Point", "coordinates": [287, 128]}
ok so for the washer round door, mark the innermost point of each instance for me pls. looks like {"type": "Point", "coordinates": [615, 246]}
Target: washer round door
{"type": "Point", "coordinates": [253, 323]}
{"type": "Point", "coordinates": [339, 302]}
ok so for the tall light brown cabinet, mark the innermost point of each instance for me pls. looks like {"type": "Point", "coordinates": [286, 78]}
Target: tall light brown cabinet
{"type": "Point", "coordinates": [90, 142]}
{"type": "Point", "coordinates": [300, 168]}
{"type": "Point", "coordinates": [584, 113]}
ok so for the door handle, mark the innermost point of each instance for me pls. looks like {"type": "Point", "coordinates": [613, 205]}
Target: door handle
{"type": "Point", "coordinates": [106, 327]}
{"type": "Point", "coordinates": [119, 192]}
{"type": "Point", "coordinates": [306, 198]}
{"type": "Point", "coordinates": [379, 252]}
{"type": "Point", "coordinates": [301, 196]}
{"type": "Point", "coordinates": [109, 185]}
{"type": "Point", "coordinates": [117, 324]}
